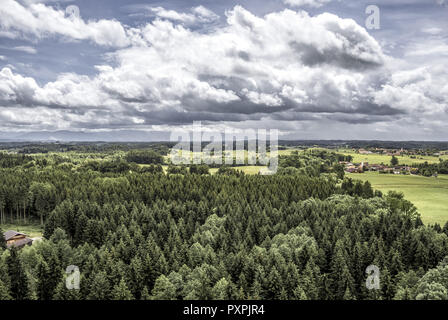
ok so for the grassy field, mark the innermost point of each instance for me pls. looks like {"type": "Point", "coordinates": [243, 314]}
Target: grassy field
{"type": "Point", "coordinates": [245, 169]}
{"type": "Point", "coordinates": [33, 231]}
{"type": "Point", "coordinates": [429, 195]}
{"type": "Point", "coordinates": [288, 151]}
{"type": "Point", "coordinates": [378, 158]}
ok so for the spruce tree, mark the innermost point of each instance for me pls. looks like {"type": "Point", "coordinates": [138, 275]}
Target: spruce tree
{"type": "Point", "coordinates": [145, 294]}
{"type": "Point", "coordinates": [2, 240]}
{"type": "Point", "coordinates": [62, 293]}
{"type": "Point", "coordinates": [121, 292]}
{"type": "Point", "coordinates": [163, 289]}
{"type": "Point", "coordinates": [100, 287]}
{"type": "Point", "coordinates": [220, 290]}
{"type": "Point", "coordinates": [44, 289]}
{"type": "Point", "coordinates": [4, 292]}
{"type": "Point", "coordinates": [17, 275]}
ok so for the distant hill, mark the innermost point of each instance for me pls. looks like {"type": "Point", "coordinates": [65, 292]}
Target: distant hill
{"type": "Point", "coordinates": [116, 136]}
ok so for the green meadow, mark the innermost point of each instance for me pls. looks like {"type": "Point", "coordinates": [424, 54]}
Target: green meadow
{"type": "Point", "coordinates": [31, 230]}
{"type": "Point", "coordinates": [429, 195]}
{"type": "Point", "coordinates": [245, 169]}
{"type": "Point", "coordinates": [385, 159]}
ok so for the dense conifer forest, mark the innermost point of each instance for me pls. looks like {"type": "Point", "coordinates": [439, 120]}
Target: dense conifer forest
{"type": "Point", "coordinates": [137, 232]}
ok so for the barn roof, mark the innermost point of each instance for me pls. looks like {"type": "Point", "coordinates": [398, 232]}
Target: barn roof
{"type": "Point", "coordinates": [21, 243]}
{"type": "Point", "coordinates": [11, 233]}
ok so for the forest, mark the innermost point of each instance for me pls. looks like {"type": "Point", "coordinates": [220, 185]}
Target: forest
{"type": "Point", "coordinates": [138, 232]}
{"type": "Point", "coordinates": [428, 169]}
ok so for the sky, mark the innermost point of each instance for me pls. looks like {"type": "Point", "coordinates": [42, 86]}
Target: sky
{"type": "Point", "coordinates": [137, 70]}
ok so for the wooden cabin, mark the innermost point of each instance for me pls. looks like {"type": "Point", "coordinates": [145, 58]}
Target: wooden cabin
{"type": "Point", "coordinates": [16, 239]}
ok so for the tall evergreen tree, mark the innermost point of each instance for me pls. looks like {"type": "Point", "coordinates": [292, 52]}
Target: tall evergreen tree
{"type": "Point", "coordinates": [100, 287]}
{"type": "Point", "coordinates": [17, 275]}
{"type": "Point", "coordinates": [44, 288]}
{"type": "Point", "coordinates": [2, 240]}
{"type": "Point", "coordinates": [163, 289]}
{"type": "Point", "coordinates": [121, 292]}
{"type": "Point", "coordinates": [4, 292]}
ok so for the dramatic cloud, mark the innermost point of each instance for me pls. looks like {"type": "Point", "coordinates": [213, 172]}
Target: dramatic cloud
{"type": "Point", "coordinates": [286, 70]}
{"type": "Point", "coordinates": [253, 66]}
{"type": "Point", "coordinates": [198, 14]}
{"type": "Point", "coordinates": [39, 21]}
{"type": "Point", "coordinates": [422, 91]}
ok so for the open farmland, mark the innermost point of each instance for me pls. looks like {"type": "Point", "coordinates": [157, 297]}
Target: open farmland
{"type": "Point", "coordinates": [379, 158]}
{"type": "Point", "coordinates": [429, 195]}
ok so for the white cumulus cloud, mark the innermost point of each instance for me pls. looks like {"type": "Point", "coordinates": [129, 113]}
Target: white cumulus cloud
{"type": "Point", "coordinates": [37, 20]}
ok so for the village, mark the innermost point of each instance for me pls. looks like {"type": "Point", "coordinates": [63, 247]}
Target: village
{"type": "Point", "coordinates": [350, 167]}
{"type": "Point", "coordinates": [381, 168]}
{"type": "Point", "coordinates": [402, 152]}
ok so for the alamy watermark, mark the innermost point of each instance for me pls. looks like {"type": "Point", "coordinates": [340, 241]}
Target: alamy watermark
{"type": "Point", "coordinates": [373, 280]}
{"type": "Point", "coordinates": [373, 21]}
{"type": "Point", "coordinates": [72, 282]}
{"type": "Point", "coordinates": [248, 146]}
{"type": "Point", "coordinates": [72, 12]}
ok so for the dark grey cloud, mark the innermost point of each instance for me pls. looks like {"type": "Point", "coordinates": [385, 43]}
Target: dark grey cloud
{"type": "Point", "coordinates": [311, 56]}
